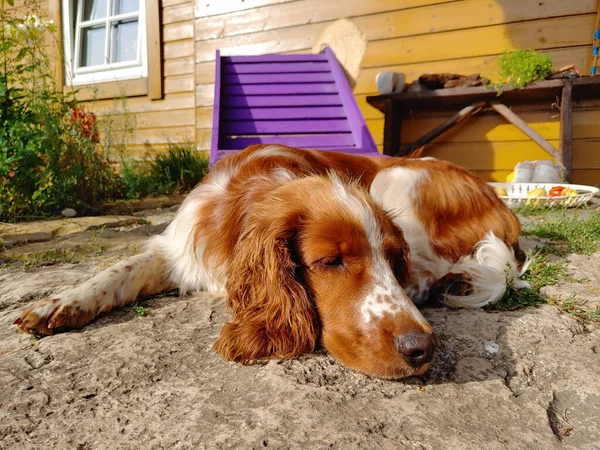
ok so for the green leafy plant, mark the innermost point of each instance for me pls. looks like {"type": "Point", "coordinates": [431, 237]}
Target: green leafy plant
{"type": "Point", "coordinates": [568, 233]}
{"type": "Point", "coordinates": [140, 307]}
{"type": "Point", "coordinates": [54, 153]}
{"type": "Point", "coordinates": [180, 168]}
{"type": "Point", "coordinates": [521, 67]}
{"type": "Point", "coordinates": [542, 272]}
{"type": "Point", "coordinates": [177, 170]}
{"type": "Point", "coordinates": [49, 152]}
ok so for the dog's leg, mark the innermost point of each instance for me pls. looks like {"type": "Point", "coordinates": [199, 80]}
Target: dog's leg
{"type": "Point", "coordinates": [120, 284]}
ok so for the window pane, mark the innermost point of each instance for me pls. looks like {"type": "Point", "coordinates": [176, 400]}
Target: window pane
{"type": "Point", "coordinates": [92, 46]}
{"type": "Point", "coordinates": [124, 41]}
{"type": "Point", "coordinates": [125, 6]}
{"type": "Point", "coordinates": [94, 9]}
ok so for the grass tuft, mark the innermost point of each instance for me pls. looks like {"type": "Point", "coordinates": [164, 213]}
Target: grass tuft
{"type": "Point", "coordinates": [574, 308]}
{"type": "Point", "coordinates": [55, 254]}
{"type": "Point", "coordinates": [177, 170]}
{"type": "Point", "coordinates": [565, 233]}
{"type": "Point", "coordinates": [542, 272]}
{"type": "Point", "coordinates": [140, 307]}
{"type": "Point", "coordinates": [569, 234]}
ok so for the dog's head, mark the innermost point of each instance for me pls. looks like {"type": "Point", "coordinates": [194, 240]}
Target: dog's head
{"type": "Point", "coordinates": [320, 260]}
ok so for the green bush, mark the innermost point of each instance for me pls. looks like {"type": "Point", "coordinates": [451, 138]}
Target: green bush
{"type": "Point", "coordinates": [177, 170]}
{"type": "Point", "coordinates": [48, 153]}
{"type": "Point", "coordinates": [51, 156]}
{"type": "Point", "coordinates": [521, 67]}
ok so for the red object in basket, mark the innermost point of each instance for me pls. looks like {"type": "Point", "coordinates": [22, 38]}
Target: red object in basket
{"type": "Point", "coordinates": [556, 191]}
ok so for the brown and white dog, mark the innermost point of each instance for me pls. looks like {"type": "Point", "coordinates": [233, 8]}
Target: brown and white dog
{"type": "Point", "coordinates": [316, 247]}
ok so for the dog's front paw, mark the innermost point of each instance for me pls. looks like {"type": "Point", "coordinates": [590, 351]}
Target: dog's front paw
{"type": "Point", "coordinates": [45, 317]}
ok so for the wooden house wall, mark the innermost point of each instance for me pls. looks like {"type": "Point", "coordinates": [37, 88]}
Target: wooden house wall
{"type": "Point", "coordinates": [414, 37]}
{"type": "Point", "coordinates": [170, 119]}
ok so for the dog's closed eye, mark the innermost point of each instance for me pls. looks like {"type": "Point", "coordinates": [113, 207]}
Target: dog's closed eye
{"type": "Point", "coordinates": [331, 261]}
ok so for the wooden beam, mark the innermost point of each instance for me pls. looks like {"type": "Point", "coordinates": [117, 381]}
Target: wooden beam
{"type": "Point", "coordinates": [109, 90]}
{"type": "Point", "coordinates": [505, 112]}
{"type": "Point", "coordinates": [391, 128]}
{"type": "Point", "coordinates": [566, 128]}
{"type": "Point", "coordinates": [56, 43]}
{"type": "Point", "coordinates": [443, 99]}
{"type": "Point", "coordinates": [457, 118]}
{"type": "Point", "coordinates": [154, 44]}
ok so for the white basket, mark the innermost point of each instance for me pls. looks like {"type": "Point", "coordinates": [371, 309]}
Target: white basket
{"type": "Point", "coordinates": [517, 195]}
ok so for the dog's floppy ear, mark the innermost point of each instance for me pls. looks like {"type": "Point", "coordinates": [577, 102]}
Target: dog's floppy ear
{"type": "Point", "coordinates": [273, 315]}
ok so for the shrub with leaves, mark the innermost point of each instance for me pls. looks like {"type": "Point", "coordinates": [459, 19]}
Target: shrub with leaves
{"type": "Point", "coordinates": [51, 152]}
{"type": "Point", "coordinates": [48, 153]}
{"type": "Point", "coordinates": [180, 168]}
{"type": "Point", "coordinates": [521, 67]}
{"type": "Point", "coordinates": [177, 170]}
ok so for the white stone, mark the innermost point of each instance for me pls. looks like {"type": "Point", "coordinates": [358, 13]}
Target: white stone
{"type": "Point", "coordinates": [69, 212]}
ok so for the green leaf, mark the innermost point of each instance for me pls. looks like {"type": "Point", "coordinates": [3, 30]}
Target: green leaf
{"type": "Point", "coordinates": [21, 54]}
{"type": "Point", "coordinates": [11, 2]}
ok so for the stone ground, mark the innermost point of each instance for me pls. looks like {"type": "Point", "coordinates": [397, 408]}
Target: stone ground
{"type": "Point", "coordinates": [527, 379]}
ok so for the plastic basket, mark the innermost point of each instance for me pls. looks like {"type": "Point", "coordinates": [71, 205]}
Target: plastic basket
{"type": "Point", "coordinates": [517, 195]}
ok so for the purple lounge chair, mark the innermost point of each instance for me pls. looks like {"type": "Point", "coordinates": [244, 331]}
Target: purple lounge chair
{"type": "Point", "coordinates": [297, 100]}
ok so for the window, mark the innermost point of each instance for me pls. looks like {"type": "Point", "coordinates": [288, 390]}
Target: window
{"type": "Point", "coordinates": [105, 40]}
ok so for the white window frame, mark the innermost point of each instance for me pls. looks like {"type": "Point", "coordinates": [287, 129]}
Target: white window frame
{"type": "Point", "coordinates": [72, 25]}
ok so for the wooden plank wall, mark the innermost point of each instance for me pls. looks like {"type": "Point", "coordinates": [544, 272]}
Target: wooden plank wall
{"type": "Point", "coordinates": [417, 36]}
{"type": "Point", "coordinates": [171, 119]}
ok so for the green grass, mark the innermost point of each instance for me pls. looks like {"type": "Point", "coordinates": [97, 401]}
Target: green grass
{"type": "Point", "coordinates": [542, 272]}
{"type": "Point", "coordinates": [574, 308]}
{"type": "Point", "coordinates": [565, 233]}
{"type": "Point", "coordinates": [177, 170]}
{"type": "Point", "coordinates": [142, 306]}
{"type": "Point", "coordinates": [536, 211]}
{"type": "Point", "coordinates": [51, 256]}
{"type": "Point", "coordinates": [55, 254]}
{"type": "Point", "coordinates": [568, 234]}
{"type": "Point", "coordinates": [182, 166]}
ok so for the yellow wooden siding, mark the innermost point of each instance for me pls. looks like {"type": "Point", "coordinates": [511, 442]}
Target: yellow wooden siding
{"type": "Point", "coordinates": [292, 14]}
{"type": "Point", "coordinates": [178, 13]}
{"type": "Point", "coordinates": [542, 34]}
{"type": "Point", "coordinates": [415, 37]}
{"type": "Point", "coordinates": [155, 123]}
{"type": "Point", "coordinates": [486, 65]}
{"type": "Point", "coordinates": [488, 140]}
{"type": "Point", "coordinates": [23, 7]}
{"type": "Point", "coordinates": [171, 3]}
{"type": "Point", "coordinates": [380, 20]}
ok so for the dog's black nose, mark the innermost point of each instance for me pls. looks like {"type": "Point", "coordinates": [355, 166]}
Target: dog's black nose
{"type": "Point", "coordinates": [417, 348]}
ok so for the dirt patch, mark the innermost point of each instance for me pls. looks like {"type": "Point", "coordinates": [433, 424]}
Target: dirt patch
{"type": "Point", "coordinates": [520, 379]}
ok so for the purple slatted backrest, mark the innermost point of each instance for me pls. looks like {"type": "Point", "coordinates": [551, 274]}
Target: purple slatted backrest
{"type": "Point", "coordinates": [296, 100]}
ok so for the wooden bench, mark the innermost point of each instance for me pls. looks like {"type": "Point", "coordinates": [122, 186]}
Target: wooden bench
{"type": "Point", "coordinates": [470, 100]}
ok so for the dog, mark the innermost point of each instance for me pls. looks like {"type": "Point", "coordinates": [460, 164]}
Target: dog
{"type": "Point", "coordinates": [316, 247]}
